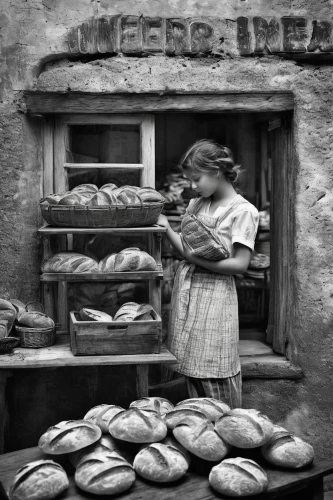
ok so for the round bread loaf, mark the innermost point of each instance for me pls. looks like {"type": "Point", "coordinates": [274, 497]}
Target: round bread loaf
{"type": "Point", "coordinates": [138, 426]}
{"type": "Point", "coordinates": [92, 414]}
{"type": "Point", "coordinates": [133, 259]}
{"type": "Point", "coordinates": [198, 436]}
{"type": "Point", "coordinates": [108, 188]}
{"type": "Point", "coordinates": [85, 188]}
{"type": "Point", "coordinates": [160, 405]}
{"type": "Point", "coordinates": [104, 474]}
{"type": "Point", "coordinates": [69, 262]}
{"type": "Point", "coordinates": [150, 195]}
{"type": "Point", "coordinates": [106, 265]}
{"type": "Point", "coordinates": [35, 319]}
{"type": "Point", "coordinates": [131, 311]}
{"type": "Point", "coordinates": [86, 314]}
{"type": "Point", "coordinates": [53, 199]}
{"type": "Point", "coordinates": [127, 196]}
{"type": "Point", "coordinates": [104, 445]}
{"type": "Point", "coordinates": [7, 313]}
{"type": "Point", "coordinates": [104, 418]}
{"type": "Point", "coordinates": [102, 199]}
{"type": "Point", "coordinates": [238, 477]}
{"type": "Point", "coordinates": [161, 463]}
{"type": "Point", "coordinates": [212, 408]}
{"type": "Point", "coordinates": [76, 198]}
{"type": "Point", "coordinates": [286, 450]}
{"type": "Point", "coordinates": [179, 414]}
{"type": "Point", "coordinates": [170, 441]}
{"type": "Point", "coordinates": [3, 328]}
{"type": "Point", "coordinates": [39, 480]}
{"type": "Point", "coordinates": [244, 428]}
{"type": "Point", "coordinates": [69, 436]}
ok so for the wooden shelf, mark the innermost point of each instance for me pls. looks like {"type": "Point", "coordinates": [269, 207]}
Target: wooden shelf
{"type": "Point", "coordinates": [98, 230]}
{"type": "Point", "coordinates": [128, 276]}
{"type": "Point", "coordinates": [113, 166]}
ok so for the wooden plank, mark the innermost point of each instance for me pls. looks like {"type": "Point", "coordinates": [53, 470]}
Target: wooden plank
{"type": "Point", "coordinates": [270, 367]}
{"type": "Point", "coordinates": [142, 381]}
{"type": "Point", "coordinates": [98, 230]}
{"type": "Point", "coordinates": [60, 355]}
{"type": "Point", "coordinates": [148, 151]}
{"type": "Point", "coordinates": [4, 374]}
{"type": "Point", "coordinates": [215, 102]}
{"type": "Point", "coordinates": [113, 166]}
{"type": "Point", "coordinates": [253, 348]}
{"type": "Point", "coordinates": [126, 276]}
{"type": "Point", "coordinates": [59, 156]}
{"type": "Point", "coordinates": [48, 127]}
{"type": "Point", "coordinates": [62, 305]}
{"type": "Point", "coordinates": [98, 118]}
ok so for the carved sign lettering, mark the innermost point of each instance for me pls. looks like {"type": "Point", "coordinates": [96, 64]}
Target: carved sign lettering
{"type": "Point", "coordinates": [288, 36]}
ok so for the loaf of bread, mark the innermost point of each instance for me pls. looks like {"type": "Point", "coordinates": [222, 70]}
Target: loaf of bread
{"type": "Point", "coordinates": [102, 199]}
{"type": "Point", "coordinates": [7, 313]}
{"type": "Point", "coordinates": [212, 408]}
{"type": "Point", "coordinates": [34, 319]}
{"type": "Point", "coordinates": [19, 306]}
{"type": "Point", "coordinates": [85, 188]}
{"type": "Point", "coordinates": [160, 463]}
{"type": "Point", "coordinates": [86, 314]}
{"type": "Point", "coordinates": [134, 259]}
{"type": "Point", "coordinates": [104, 418]}
{"type": "Point", "coordinates": [3, 328]}
{"type": "Point", "coordinates": [92, 414]}
{"type": "Point", "coordinates": [69, 262]}
{"type": "Point", "coordinates": [108, 188]}
{"type": "Point", "coordinates": [127, 196]}
{"type": "Point", "coordinates": [138, 426]}
{"type": "Point", "coordinates": [76, 198]}
{"type": "Point", "coordinates": [53, 199]}
{"type": "Point", "coordinates": [69, 436]}
{"type": "Point", "coordinates": [150, 195]}
{"type": "Point", "coordinates": [131, 311]}
{"type": "Point", "coordinates": [104, 474]}
{"type": "Point", "coordinates": [286, 450]}
{"type": "Point", "coordinates": [106, 265]}
{"type": "Point", "coordinates": [104, 445]}
{"type": "Point", "coordinates": [179, 414]}
{"type": "Point", "coordinates": [238, 477]}
{"type": "Point", "coordinates": [197, 434]}
{"type": "Point", "coordinates": [245, 428]}
{"type": "Point", "coordinates": [39, 480]}
{"type": "Point", "coordinates": [161, 405]}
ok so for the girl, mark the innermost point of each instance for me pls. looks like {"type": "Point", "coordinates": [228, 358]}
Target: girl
{"type": "Point", "coordinates": [203, 332]}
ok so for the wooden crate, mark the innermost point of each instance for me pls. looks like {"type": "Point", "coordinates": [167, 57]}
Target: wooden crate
{"type": "Point", "coordinates": [119, 337]}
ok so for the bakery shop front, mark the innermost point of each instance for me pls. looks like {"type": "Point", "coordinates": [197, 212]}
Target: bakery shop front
{"type": "Point", "coordinates": [108, 96]}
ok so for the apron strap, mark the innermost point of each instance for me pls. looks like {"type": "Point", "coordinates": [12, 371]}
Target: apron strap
{"type": "Point", "coordinates": [233, 207]}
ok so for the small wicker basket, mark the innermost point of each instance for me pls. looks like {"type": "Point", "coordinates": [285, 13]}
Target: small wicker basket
{"type": "Point", "coordinates": [7, 344]}
{"type": "Point", "coordinates": [36, 337]}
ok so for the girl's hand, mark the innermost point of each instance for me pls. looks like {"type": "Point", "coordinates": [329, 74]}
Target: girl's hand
{"type": "Point", "coordinates": [163, 221]}
{"type": "Point", "coordinates": [187, 251]}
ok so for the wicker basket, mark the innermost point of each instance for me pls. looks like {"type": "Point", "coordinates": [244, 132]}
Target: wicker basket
{"type": "Point", "coordinates": [36, 337]}
{"type": "Point", "coordinates": [145, 214]}
{"type": "Point", "coordinates": [7, 344]}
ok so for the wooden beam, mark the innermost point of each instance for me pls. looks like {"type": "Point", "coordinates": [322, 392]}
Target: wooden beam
{"type": "Point", "coordinates": [81, 102]}
{"type": "Point", "coordinates": [114, 166]}
{"type": "Point", "coordinates": [96, 230]}
{"type": "Point", "coordinates": [269, 367]}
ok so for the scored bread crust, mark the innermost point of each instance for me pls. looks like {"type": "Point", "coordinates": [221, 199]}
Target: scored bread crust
{"type": "Point", "coordinates": [69, 436]}
{"type": "Point", "coordinates": [286, 450]}
{"type": "Point", "coordinates": [104, 445]}
{"type": "Point", "coordinates": [104, 418]}
{"type": "Point", "coordinates": [212, 408]}
{"type": "Point", "coordinates": [244, 428]}
{"type": "Point", "coordinates": [39, 480]}
{"type": "Point", "coordinates": [69, 262]}
{"type": "Point", "coordinates": [238, 477]}
{"type": "Point", "coordinates": [161, 405]}
{"type": "Point", "coordinates": [161, 463]}
{"type": "Point", "coordinates": [138, 426]}
{"type": "Point", "coordinates": [134, 259]}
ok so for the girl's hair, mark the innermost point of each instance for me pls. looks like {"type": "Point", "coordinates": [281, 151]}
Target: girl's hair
{"type": "Point", "coordinates": [208, 156]}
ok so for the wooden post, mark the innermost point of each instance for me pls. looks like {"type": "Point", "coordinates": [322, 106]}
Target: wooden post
{"type": "Point", "coordinates": [142, 381]}
{"type": "Point", "coordinates": [4, 374]}
{"type": "Point", "coordinates": [148, 151]}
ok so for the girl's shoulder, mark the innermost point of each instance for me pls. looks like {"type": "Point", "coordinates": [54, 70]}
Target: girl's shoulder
{"type": "Point", "coordinates": [244, 205]}
{"type": "Point", "coordinates": [195, 203]}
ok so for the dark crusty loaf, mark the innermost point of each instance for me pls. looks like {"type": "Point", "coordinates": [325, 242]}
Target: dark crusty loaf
{"type": "Point", "coordinates": [138, 426]}
{"type": "Point", "coordinates": [245, 428]}
{"type": "Point", "coordinates": [286, 450]}
{"type": "Point", "coordinates": [35, 319]}
{"type": "Point", "coordinates": [39, 480]}
{"type": "Point", "coordinates": [104, 474]}
{"type": "Point", "coordinates": [69, 262]}
{"type": "Point", "coordinates": [69, 436]}
{"type": "Point", "coordinates": [104, 445]}
{"type": "Point", "coordinates": [238, 477]}
{"type": "Point", "coordinates": [160, 405]}
{"type": "Point", "coordinates": [161, 463]}
{"type": "Point", "coordinates": [212, 408]}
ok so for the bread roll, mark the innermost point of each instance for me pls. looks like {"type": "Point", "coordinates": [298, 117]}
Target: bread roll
{"type": "Point", "coordinates": [102, 199]}
{"type": "Point", "coordinates": [245, 428]}
{"type": "Point", "coordinates": [76, 198]}
{"type": "Point", "coordinates": [7, 313]}
{"type": "Point", "coordinates": [34, 319]}
{"type": "Point", "coordinates": [133, 259]}
{"type": "Point", "coordinates": [138, 426]}
{"type": "Point", "coordinates": [108, 188]}
{"type": "Point", "coordinates": [69, 262]}
{"type": "Point", "coordinates": [104, 445]}
{"type": "Point", "coordinates": [86, 314]}
{"type": "Point", "coordinates": [92, 414]}
{"type": "Point", "coordinates": [160, 463]}
{"type": "Point", "coordinates": [106, 265]}
{"type": "Point", "coordinates": [198, 435]}
{"type": "Point", "coordinates": [104, 474]}
{"type": "Point", "coordinates": [150, 195]}
{"type": "Point", "coordinates": [179, 414]}
{"type": "Point", "coordinates": [69, 436]}
{"type": "Point", "coordinates": [212, 408]}
{"type": "Point", "coordinates": [286, 450]}
{"type": "Point", "coordinates": [238, 477]}
{"type": "Point", "coordinates": [39, 480]}
{"type": "Point", "coordinates": [53, 199]}
{"type": "Point", "coordinates": [126, 196]}
{"type": "Point", "coordinates": [160, 405]}
{"type": "Point", "coordinates": [85, 188]}
{"type": "Point", "coordinates": [135, 189]}
{"type": "Point", "coordinates": [104, 418]}
{"type": "Point", "coordinates": [131, 311]}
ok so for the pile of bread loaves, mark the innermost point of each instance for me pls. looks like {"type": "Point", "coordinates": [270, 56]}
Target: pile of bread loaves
{"type": "Point", "coordinates": [128, 260]}
{"type": "Point", "coordinates": [131, 311]}
{"type": "Point", "coordinates": [166, 437]}
{"type": "Point", "coordinates": [107, 195]}
{"type": "Point", "coordinates": [14, 312]}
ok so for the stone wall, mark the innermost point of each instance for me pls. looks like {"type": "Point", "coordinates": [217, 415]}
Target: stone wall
{"type": "Point", "coordinates": [35, 56]}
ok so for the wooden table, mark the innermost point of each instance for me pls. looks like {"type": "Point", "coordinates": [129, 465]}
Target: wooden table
{"type": "Point", "coordinates": [303, 485]}
{"type": "Point", "coordinates": [60, 355]}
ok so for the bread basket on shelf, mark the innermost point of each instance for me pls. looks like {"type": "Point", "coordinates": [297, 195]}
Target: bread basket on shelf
{"type": "Point", "coordinates": [135, 215]}
{"type": "Point", "coordinates": [35, 337]}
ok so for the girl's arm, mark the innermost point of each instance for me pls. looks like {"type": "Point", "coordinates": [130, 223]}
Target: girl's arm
{"type": "Point", "coordinates": [172, 236]}
{"type": "Point", "coordinates": [234, 265]}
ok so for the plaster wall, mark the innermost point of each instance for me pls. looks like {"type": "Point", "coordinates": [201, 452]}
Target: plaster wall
{"type": "Point", "coordinates": [34, 55]}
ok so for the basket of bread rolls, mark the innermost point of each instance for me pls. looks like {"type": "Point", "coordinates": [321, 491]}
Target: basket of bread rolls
{"type": "Point", "coordinates": [111, 449]}
{"type": "Point", "coordinates": [110, 206]}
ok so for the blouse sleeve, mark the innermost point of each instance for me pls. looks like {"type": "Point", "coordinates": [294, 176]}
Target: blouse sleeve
{"type": "Point", "coordinates": [244, 227]}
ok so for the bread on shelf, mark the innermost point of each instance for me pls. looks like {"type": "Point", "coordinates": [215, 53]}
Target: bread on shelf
{"type": "Point", "coordinates": [69, 262]}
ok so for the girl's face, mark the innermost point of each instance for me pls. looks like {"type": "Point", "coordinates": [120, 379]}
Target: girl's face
{"type": "Point", "coordinates": [205, 184]}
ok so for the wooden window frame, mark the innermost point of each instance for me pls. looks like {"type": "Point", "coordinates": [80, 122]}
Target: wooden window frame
{"type": "Point", "coordinates": [283, 284]}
